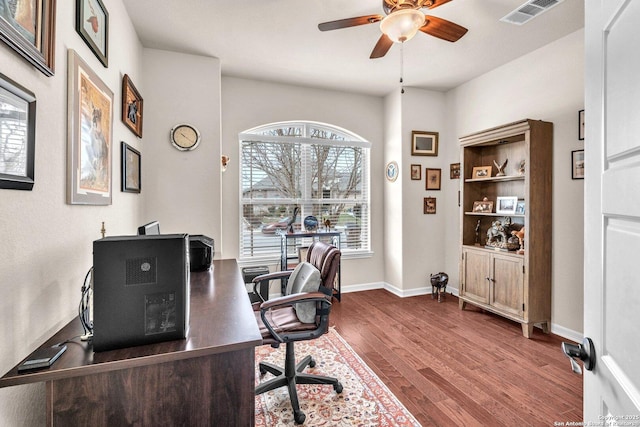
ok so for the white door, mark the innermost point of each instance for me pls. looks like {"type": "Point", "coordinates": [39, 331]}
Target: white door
{"type": "Point", "coordinates": [612, 211]}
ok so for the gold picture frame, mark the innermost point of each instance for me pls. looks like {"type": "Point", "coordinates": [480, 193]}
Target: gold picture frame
{"type": "Point", "coordinates": [424, 143]}
{"type": "Point", "coordinates": [132, 106]}
{"type": "Point", "coordinates": [481, 172]}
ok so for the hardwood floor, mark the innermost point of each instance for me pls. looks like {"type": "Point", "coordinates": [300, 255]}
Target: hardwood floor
{"type": "Point", "coordinates": [453, 367]}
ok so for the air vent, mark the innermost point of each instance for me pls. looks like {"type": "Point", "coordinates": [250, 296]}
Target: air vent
{"type": "Point", "coordinates": [529, 10]}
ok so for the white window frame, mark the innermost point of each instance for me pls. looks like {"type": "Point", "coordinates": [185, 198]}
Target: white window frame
{"type": "Point", "coordinates": [302, 136]}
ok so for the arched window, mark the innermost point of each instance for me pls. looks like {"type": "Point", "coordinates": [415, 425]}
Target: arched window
{"type": "Point", "coordinates": [322, 169]}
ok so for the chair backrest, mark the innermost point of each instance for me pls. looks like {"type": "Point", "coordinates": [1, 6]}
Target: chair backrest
{"type": "Point", "coordinates": [326, 258]}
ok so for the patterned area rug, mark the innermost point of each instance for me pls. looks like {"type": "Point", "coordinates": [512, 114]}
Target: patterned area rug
{"type": "Point", "coordinates": [364, 401]}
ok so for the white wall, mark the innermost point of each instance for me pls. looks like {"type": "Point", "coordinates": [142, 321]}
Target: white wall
{"type": "Point", "coordinates": [46, 244]}
{"type": "Point", "coordinates": [250, 103]}
{"type": "Point", "coordinates": [181, 189]}
{"type": "Point", "coordinates": [547, 84]}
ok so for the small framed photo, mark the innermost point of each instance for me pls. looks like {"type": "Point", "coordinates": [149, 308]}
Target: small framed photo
{"type": "Point", "coordinates": [506, 205]}
{"type": "Point", "coordinates": [581, 125]}
{"type": "Point", "coordinates": [433, 179]}
{"type": "Point", "coordinates": [132, 104]}
{"type": "Point", "coordinates": [429, 205]}
{"type": "Point", "coordinates": [454, 171]}
{"type": "Point", "coordinates": [302, 253]}
{"type": "Point", "coordinates": [483, 206]}
{"type": "Point", "coordinates": [131, 177]}
{"type": "Point", "coordinates": [520, 207]}
{"type": "Point", "coordinates": [416, 172]}
{"type": "Point", "coordinates": [17, 135]}
{"type": "Point", "coordinates": [481, 172]}
{"type": "Point", "coordinates": [424, 143]}
{"type": "Point", "coordinates": [92, 23]}
{"type": "Point", "coordinates": [577, 164]}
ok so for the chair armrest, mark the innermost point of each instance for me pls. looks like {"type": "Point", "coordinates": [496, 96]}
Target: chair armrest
{"type": "Point", "coordinates": [264, 279]}
{"type": "Point", "coordinates": [290, 300]}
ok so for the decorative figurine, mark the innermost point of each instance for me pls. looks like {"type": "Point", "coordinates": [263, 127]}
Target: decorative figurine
{"type": "Point", "coordinates": [327, 224]}
{"type": "Point", "coordinates": [311, 223]}
{"type": "Point", "coordinates": [500, 167]}
{"type": "Point", "coordinates": [520, 235]}
{"type": "Point", "coordinates": [439, 284]}
{"type": "Point", "coordinates": [292, 220]}
{"type": "Point", "coordinates": [477, 241]}
{"type": "Point", "coordinates": [521, 167]}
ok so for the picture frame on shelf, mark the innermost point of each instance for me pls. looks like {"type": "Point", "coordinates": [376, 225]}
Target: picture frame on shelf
{"type": "Point", "coordinates": [433, 179]}
{"type": "Point", "coordinates": [92, 23]}
{"type": "Point", "coordinates": [581, 125]}
{"type": "Point", "coordinates": [481, 172]}
{"type": "Point", "coordinates": [506, 205]}
{"type": "Point", "coordinates": [483, 206]}
{"type": "Point", "coordinates": [416, 172]}
{"type": "Point", "coordinates": [17, 135]}
{"type": "Point", "coordinates": [30, 31]}
{"type": "Point", "coordinates": [520, 206]}
{"type": "Point", "coordinates": [131, 169]}
{"type": "Point", "coordinates": [90, 135]}
{"type": "Point", "coordinates": [454, 171]}
{"type": "Point", "coordinates": [424, 143]}
{"type": "Point", "coordinates": [577, 164]}
{"type": "Point", "coordinates": [429, 205]}
{"type": "Point", "coordinates": [132, 106]}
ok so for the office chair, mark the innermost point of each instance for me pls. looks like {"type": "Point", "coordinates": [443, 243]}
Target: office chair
{"type": "Point", "coordinates": [285, 320]}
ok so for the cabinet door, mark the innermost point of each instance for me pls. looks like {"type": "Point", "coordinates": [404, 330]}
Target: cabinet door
{"type": "Point", "coordinates": [476, 275]}
{"type": "Point", "coordinates": [507, 293]}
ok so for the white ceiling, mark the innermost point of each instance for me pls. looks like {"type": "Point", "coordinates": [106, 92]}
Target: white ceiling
{"type": "Point", "coordinates": [279, 40]}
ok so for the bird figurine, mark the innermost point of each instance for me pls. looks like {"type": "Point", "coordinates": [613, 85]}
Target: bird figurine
{"type": "Point", "coordinates": [500, 167]}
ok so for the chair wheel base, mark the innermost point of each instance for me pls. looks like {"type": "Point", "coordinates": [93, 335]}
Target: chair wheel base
{"type": "Point", "coordinates": [338, 388]}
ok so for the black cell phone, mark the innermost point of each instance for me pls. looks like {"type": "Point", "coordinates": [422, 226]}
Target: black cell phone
{"type": "Point", "coordinates": [42, 358]}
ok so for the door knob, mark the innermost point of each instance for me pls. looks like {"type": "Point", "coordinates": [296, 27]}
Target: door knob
{"type": "Point", "coordinates": [585, 352]}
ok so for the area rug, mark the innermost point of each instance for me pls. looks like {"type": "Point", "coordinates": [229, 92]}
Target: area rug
{"type": "Point", "coordinates": [365, 400]}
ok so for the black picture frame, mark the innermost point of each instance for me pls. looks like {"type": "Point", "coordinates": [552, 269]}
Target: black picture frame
{"type": "Point", "coordinates": [581, 125]}
{"type": "Point", "coordinates": [37, 44]}
{"type": "Point", "coordinates": [577, 164]}
{"type": "Point", "coordinates": [92, 23]}
{"type": "Point", "coordinates": [18, 121]}
{"type": "Point", "coordinates": [131, 169]}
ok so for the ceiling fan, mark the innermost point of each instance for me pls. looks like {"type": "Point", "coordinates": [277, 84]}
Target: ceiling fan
{"type": "Point", "coordinates": [404, 19]}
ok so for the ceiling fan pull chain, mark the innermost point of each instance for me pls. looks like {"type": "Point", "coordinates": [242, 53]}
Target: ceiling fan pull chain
{"type": "Point", "coordinates": [401, 67]}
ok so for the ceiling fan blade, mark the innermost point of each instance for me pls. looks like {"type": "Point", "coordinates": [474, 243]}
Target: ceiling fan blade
{"type": "Point", "coordinates": [437, 3]}
{"type": "Point", "coordinates": [443, 29]}
{"type": "Point", "coordinates": [349, 22]}
{"type": "Point", "coordinates": [382, 47]}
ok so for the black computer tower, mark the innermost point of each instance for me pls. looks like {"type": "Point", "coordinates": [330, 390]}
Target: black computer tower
{"type": "Point", "coordinates": [140, 290]}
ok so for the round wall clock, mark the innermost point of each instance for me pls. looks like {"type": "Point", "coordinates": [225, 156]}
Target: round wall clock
{"type": "Point", "coordinates": [185, 137]}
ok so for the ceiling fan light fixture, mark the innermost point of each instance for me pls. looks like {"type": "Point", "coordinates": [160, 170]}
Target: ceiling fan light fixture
{"type": "Point", "coordinates": [402, 25]}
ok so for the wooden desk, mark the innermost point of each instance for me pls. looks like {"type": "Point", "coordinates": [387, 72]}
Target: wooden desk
{"type": "Point", "coordinates": [204, 380]}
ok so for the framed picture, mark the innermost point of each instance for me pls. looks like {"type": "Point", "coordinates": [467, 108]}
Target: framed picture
{"type": "Point", "coordinates": [433, 179]}
{"type": "Point", "coordinates": [429, 205]}
{"type": "Point", "coordinates": [577, 164]}
{"type": "Point", "coordinates": [506, 205]}
{"type": "Point", "coordinates": [481, 172]}
{"type": "Point", "coordinates": [581, 125]}
{"type": "Point", "coordinates": [483, 206]}
{"type": "Point", "coordinates": [132, 104]}
{"type": "Point", "coordinates": [416, 172]}
{"type": "Point", "coordinates": [90, 134]}
{"type": "Point", "coordinates": [131, 176]}
{"type": "Point", "coordinates": [302, 253]}
{"type": "Point", "coordinates": [17, 135]}
{"type": "Point", "coordinates": [424, 143]}
{"type": "Point", "coordinates": [520, 207]}
{"type": "Point", "coordinates": [454, 171]}
{"type": "Point", "coordinates": [392, 171]}
{"type": "Point", "coordinates": [28, 27]}
{"type": "Point", "coordinates": [92, 23]}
